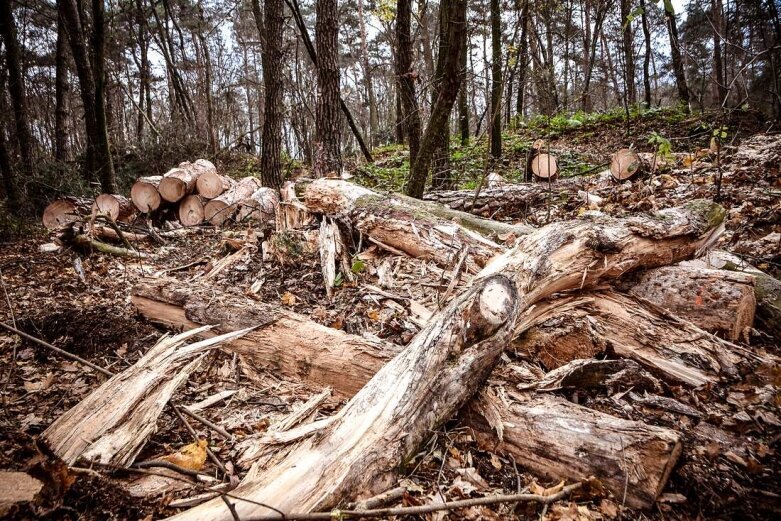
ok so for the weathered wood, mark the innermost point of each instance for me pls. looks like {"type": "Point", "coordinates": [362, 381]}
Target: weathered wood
{"type": "Point", "coordinates": [260, 207]}
{"type": "Point", "coordinates": [559, 439]}
{"type": "Point", "coordinates": [715, 300]}
{"type": "Point", "coordinates": [144, 194]}
{"type": "Point", "coordinates": [61, 212]}
{"type": "Point", "coordinates": [512, 201]}
{"type": "Point", "coordinates": [581, 326]}
{"type": "Point", "coordinates": [395, 223]}
{"type": "Point", "coordinates": [112, 424]}
{"type": "Point", "coordinates": [323, 356]}
{"type": "Point", "coordinates": [625, 164]}
{"type": "Point", "coordinates": [118, 207]}
{"type": "Point", "coordinates": [383, 425]}
{"type": "Point", "coordinates": [222, 208]}
{"type": "Point", "coordinates": [191, 211]}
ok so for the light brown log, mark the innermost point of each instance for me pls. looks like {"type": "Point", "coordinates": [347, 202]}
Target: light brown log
{"type": "Point", "coordinates": [716, 300]}
{"type": "Point", "coordinates": [210, 184]}
{"type": "Point", "coordinates": [556, 438]}
{"type": "Point", "coordinates": [545, 166]}
{"type": "Point", "coordinates": [62, 212]}
{"type": "Point", "coordinates": [178, 182]}
{"type": "Point", "coordinates": [219, 210]}
{"type": "Point", "coordinates": [191, 211]}
{"type": "Point", "coordinates": [260, 207]}
{"type": "Point", "coordinates": [398, 225]}
{"type": "Point", "coordinates": [512, 201]}
{"type": "Point", "coordinates": [118, 207]}
{"type": "Point", "coordinates": [581, 326]}
{"type": "Point", "coordinates": [112, 424]}
{"type": "Point", "coordinates": [296, 347]}
{"type": "Point", "coordinates": [144, 194]}
{"type": "Point", "coordinates": [625, 164]}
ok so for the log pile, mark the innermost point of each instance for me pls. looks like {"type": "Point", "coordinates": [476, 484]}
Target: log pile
{"type": "Point", "coordinates": [193, 193]}
{"type": "Point", "coordinates": [596, 305]}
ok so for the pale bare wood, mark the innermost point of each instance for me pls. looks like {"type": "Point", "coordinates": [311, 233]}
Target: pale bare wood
{"type": "Point", "coordinates": [625, 164]}
{"type": "Point", "coordinates": [145, 195]}
{"type": "Point", "coordinates": [211, 184]}
{"type": "Point", "coordinates": [191, 211]}
{"type": "Point", "coordinates": [395, 222]}
{"type": "Point", "coordinates": [116, 206]}
{"type": "Point", "coordinates": [219, 210]}
{"type": "Point", "coordinates": [62, 212]}
{"type": "Point", "coordinates": [178, 182]}
{"type": "Point", "coordinates": [425, 384]}
{"type": "Point", "coordinates": [260, 207]}
{"type": "Point", "coordinates": [112, 424]}
{"type": "Point", "coordinates": [545, 166]}
{"type": "Point", "coordinates": [718, 301]}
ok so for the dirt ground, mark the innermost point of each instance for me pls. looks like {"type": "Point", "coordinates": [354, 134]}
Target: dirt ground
{"type": "Point", "coordinates": [79, 301]}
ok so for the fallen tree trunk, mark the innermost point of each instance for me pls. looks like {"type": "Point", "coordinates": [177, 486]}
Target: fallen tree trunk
{"type": "Point", "coordinates": [625, 164]}
{"type": "Point", "coordinates": [513, 201]}
{"type": "Point", "coordinates": [399, 225]}
{"type": "Point", "coordinates": [715, 300]}
{"type": "Point", "coordinates": [210, 184]}
{"type": "Point", "coordinates": [260, 207]}
{"type": "Point", "coordinates": [117, 207]}
{"type": "Point", "coordinates": [112, 424]}
{"type": "Point", "coordinates": [426, 383]}
{"type": "Point", "coordinates": [330, 357]}
{"type": "Point", "coordinates": [144, 194]}
{"type": "Point", "coordinates": [219, 210]}
{"type": "Point", "coordinates": [178, 182]}
{"type": "Point", "coordinates": [191, 211]}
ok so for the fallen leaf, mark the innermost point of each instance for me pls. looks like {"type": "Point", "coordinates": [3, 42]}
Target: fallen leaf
{"type": "Point", "coordinates": [288, 299]}
{"type": "Point", "coordinates": [191, 456]}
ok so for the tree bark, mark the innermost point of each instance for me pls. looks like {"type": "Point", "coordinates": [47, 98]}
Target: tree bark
{"type": "Point", "coordinates": [523, 57]}
{"type": "Point", "coordinates": [647, 56]}
{"type": "Point", "coordinates": [270, 26]}
{"type": "Point", "coordinates": [16, 87]}
{"type": "Point", "coordinates": [463, 105]}
{"type": "Point", "coordinates": [406, 77]}
{"type": "Point", "coordinates": [675, 51]}
{"type": "Point", "coordinates": [629, 57]}
{"type": "Point", "coordinates": [719, 86]}
{"type": "Point", "coordinates": [496, 79]}
{"type": "Point", "coordinates": [328, 125]}
{"type": "Point", "coordinates": [6, 168]}
{"type": "Point", "coordinates": [61, 90]}
{"type": "Point", "coordinates": [455, 11]}
{"type": "Point", "coordinates": [374, 132]}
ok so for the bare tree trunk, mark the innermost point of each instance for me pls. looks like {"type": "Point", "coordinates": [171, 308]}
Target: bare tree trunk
{"type": "Point", "coordinates": [207, 66]}
{"type": "Point", "coordinates": [367, 80]}
{"type": "Point", "coordinates": [496, 79]}
{"type": "Point", "coordinates": [61, 89]}
{"type": "Point", "coordinates": [629, 58]}
{"type": "Point", "coordinates": [455, 12]}
{"type": "Point", "coordinates": [463, 104]}
{"type": "Point", "coordinates": [16, 85]}
{"type": "Point", "coordinates": [600, 15]}
{"type": "Point", "coordinates": [6, 169]}
{"type": "Point", "coordinates": [647, 57]}
{"type": "Point", "coordinates": [270, 29]}
{"type": "Point", "coordinates": [108, 183]}
{"type": "Point", "coordinates": [328, 124]}
{"type": "Point", "coordinates": [717, 19]}
{"type": "Point", "coordinates": [523, 56]}
{"type": "Point", "coordinates": [406, 77]}
{"type": "Point", "coordinates": [675, 51]}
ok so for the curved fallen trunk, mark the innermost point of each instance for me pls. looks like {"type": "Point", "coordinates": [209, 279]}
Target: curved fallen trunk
{"type": "Point", "coordinates": [427, 382]}
{"type": "Point", "coordinates": [399, 225]}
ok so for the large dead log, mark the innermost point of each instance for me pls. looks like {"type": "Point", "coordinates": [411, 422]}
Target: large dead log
{"type": "Point", "coordinates": [219, 210]}
{"type": "Point", "coordinates": [399, 225]}
{"type": "Point", "coordinates": [118, 207]}
{"type": "Point", "coordinates": [191, 211]}
{"type": "Point", "coordinates": [715, 300]}
{"type": "Point", "coordinates": [582, 326]}
{"type": "Point", "coordinates": [556, 438]}
{"type": "Point", "coordinates": [112, 424]}
{"type": "Point", "coordinates": [625, 164]}
{"type": "Point", "coordinates": [178, 182]}
{"type": "Point", "coordinates": [144, 194]}
{"type": "Point", "coordinates": [296, 347]}
{"type": "Point", "coordinates": [212, 184]}
{"type": "Point", "coordinates": [260, 207]}
{"type": "Point", "coordinates": [513, 201]}
{"type": "Point", "coordinates": [427, 382]}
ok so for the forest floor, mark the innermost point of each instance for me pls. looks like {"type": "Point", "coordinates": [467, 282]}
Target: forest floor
{"type": "Point", "coordinates": [79, 302]}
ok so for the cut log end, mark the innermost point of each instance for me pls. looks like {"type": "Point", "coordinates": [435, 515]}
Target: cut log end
{"type": "Point", "coordinates": [625, 164]}
{"type": "Point", "coordinates": [217, 212]}
{"type": "Point", "coordinates": [545, 166]}
{"type": "Point", "coordinates": [191, 211]}
{"type": "Point", "coordinates": [117, 207]}
{"type": "Point", "coordinates": [211, 184]}
{"type": "Point", "coordinates": [144, 194]}
{"type": "Point", "coordinates": [171, 188]}
{"type": "Point", "coordinates": [60, 213]}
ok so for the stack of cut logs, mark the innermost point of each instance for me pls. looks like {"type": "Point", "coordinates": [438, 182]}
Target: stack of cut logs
{"type": "Point", "coordinates": [195, 191]}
